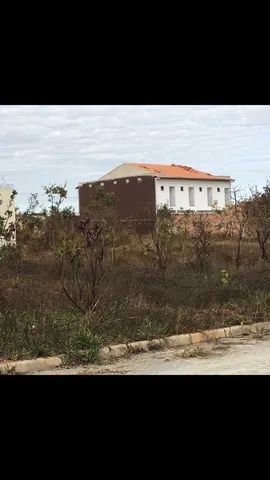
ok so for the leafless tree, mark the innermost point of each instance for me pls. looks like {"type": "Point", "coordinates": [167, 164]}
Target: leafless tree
{"type": "Point", "coordinates": [201, 238]}
{"type": "Point", "coordinates": [80, 264]}
{"type": "Point", "coordinates": [159, 245]}
{"type": "Point", "coordinates": [261, 217]}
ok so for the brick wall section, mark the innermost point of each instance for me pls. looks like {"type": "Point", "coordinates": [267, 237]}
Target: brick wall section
{"type": "Point", "coordinates": [215, 220]}
{"type": "Point", "coordinates": [135, 199]}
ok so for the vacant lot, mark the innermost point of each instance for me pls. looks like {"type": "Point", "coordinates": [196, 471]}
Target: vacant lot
{"type": "Point", "coordinates": [72, 287]}
{"type": "Point", "coordinates": [136, 301]}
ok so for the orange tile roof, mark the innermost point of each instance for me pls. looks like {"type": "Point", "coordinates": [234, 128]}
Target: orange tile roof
{"type": "Point", "coordinates": [181, 171]}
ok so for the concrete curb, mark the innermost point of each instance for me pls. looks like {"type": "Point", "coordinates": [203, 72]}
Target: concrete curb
{"type": "Point", "coordinates": [22, 367]}
{"type": "Point", "coordinates": [122, 350]}
{"type": "Point", "coordinates": [112, 352]}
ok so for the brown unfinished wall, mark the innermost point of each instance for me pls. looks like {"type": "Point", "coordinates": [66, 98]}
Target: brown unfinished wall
{"type": "Point", "coordinates": [135, 198]}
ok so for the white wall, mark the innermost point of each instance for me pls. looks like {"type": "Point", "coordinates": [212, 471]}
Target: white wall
{"type": "Point", "coordinates": [5, 193]}
{"type": "Point", "coordinates": [182, 198]}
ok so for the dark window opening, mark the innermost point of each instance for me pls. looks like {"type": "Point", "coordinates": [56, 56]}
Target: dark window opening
{"type": "Point", "coordinates": [200, 188]}
{"type": "Point", "coordinates": [218, 189]}
{"type": "Point", "coordinates": [182, 189]}
{"type": "Point", "coordinates": [162, 189]}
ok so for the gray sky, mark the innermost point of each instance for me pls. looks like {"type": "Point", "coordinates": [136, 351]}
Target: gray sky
{"type": "Point", "coordinates": [50, 144]}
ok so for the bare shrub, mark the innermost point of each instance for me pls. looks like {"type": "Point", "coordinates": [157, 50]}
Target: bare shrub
{"type": "Point", "coordinates": [261, 218]}
{"type": "Point", "coordinates": [159, 247]}
{"type": "Point", "coordinates": [80, 265]}
{"type": "Point", "coordinates": [201, 238]}
{"type": "Point", "coordinates": [237, 220]}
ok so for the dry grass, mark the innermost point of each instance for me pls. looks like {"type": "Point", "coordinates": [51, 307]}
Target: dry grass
{"type": "Point", "coordinates": [36, 318]}
{"type": "Point", "coordinates": [195, 352]}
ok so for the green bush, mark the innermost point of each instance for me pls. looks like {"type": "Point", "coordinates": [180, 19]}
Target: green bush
{"type": "Point", "coordinates": [84, 347]}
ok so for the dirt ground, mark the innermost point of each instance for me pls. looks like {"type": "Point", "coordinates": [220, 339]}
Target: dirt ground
{"type": "Point", "coordinates": [248, 355]}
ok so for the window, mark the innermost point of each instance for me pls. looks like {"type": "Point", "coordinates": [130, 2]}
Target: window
{"type": "Point", "coordinates": [209, 197]}
{"type": "Point", "coordinates": [182, 189]}
{"type": "Point", "coordinates": [227, 197]}
{"type": "Point", "coordinates": [218, 189]}
{"type": "Point", "coordinates": [90, 185]}
{"type": "Point", "coordinates": [172, 196]}
{"type": "Point", "coordinates": [139, 180]}
{"type": "Point", "coordinates": [102, 184]}
{"type": "Point", "coordinates": [115, 182]}
{"type": "Point", "coordinates": [127, 180]}
{"type": "Point", "coordinates": [162, 189]}
{"type": "Point", "coordinates": [200, 188]}
{"type": "Point", "coordinates": [191, 196]}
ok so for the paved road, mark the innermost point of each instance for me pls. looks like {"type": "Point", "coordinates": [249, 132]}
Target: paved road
{"type": "Point", "coordinates": [243, 356]}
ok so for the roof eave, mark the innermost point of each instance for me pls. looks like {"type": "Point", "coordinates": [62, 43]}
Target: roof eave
{"type": "Point", "coordinates": [225, 179]}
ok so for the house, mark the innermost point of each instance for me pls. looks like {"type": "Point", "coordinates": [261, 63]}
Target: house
{"type": "Point", "coordinates": [7, 211]}
{"type": "Point", "coordinates": [141, 188]}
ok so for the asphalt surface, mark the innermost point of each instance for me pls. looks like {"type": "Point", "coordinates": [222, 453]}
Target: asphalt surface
{"type": "Point", "coordinates": [242, 356]}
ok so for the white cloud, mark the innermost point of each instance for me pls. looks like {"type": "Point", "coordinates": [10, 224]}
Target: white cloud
{"type": "Point", "coordinates": [43, 144]}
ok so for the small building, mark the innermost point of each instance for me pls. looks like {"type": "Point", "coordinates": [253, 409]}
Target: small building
{"type": "Point", "coordinates": [141, 188]}
{"type": "Point", "coordinates": [7, 211]}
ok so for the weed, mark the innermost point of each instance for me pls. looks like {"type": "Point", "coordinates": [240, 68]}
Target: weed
{"type": "Point", "coordinates": [196, 351]}
{"type": "Point", "coordinates": [84, 347]}
{"type": "Point", "coordinates": [225, 277]}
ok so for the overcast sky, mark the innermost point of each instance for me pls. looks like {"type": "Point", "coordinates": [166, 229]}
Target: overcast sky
{"type": "Point", "coordinates": [53, 144]}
